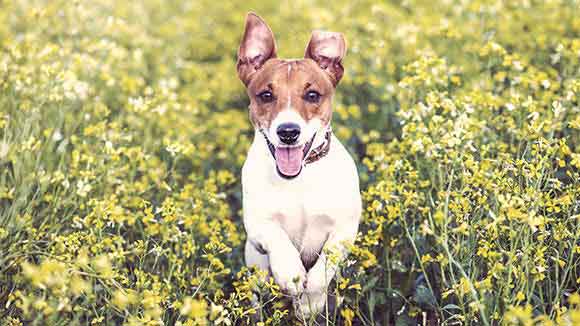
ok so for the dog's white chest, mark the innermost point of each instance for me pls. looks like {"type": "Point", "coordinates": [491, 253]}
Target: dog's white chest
{"type": "Point", "coordinates": [308, 208]}
{"type": "Point", "coordinates": [306, 217]}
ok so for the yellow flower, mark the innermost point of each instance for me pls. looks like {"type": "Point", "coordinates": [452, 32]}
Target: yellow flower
{"type": "Point", "coordinates": [195, 309]}
{"type": "Point", "coordinates": [123, 298]}
{"type": "Point", "coordinates": [348, 316]}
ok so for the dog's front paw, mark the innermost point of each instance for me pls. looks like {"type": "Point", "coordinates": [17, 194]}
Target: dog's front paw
{"type": "Point", "coordinates": [290, 276]}
{"type": "Point", "coordinates": [309, 305]}
{"type": "Point", "coordinates": [317, 281]}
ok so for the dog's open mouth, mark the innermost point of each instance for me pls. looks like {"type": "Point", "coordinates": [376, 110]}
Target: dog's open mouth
{"type": "Point", "coordinates": [289, 159]}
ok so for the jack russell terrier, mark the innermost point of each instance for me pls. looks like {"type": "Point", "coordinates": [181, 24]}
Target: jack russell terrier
{"type": "Point", "coordinates": [300, 185]}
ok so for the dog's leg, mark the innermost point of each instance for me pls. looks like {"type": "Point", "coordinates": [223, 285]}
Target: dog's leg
{"type": "Point", "coordinates": [255, 258]}
{"type": "Point", "coordinates": [260, 261]}
{"type": "Point", "coordinates": [320, 275]}
{"type": "Point", "coordinates": [308, 305]}
{"type": "Point", "coordinates": [283, 258]}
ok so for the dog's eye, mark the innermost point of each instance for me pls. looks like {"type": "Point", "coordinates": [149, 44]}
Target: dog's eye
{"type": "Point", "coordinates": [312, 96]}
{"type": "Point", "coordinates": [266, 96]}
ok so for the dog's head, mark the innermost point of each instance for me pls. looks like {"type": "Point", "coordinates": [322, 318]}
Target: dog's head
{"type": "Point", "coordinates": [290, 100]}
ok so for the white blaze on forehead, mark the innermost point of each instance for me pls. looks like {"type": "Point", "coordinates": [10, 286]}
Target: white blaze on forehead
{"type": "Point", "coordinates": [288, 115]}
{"type": "Point", "coordinates": [289, 103]}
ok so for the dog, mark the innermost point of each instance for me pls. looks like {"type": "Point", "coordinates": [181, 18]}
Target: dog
{"type": "Point", "coordinates": [300, 186]}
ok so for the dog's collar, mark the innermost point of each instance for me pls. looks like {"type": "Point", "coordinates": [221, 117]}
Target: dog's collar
{"type": "Point", "coordinates": [322, 149]}
{"type": "Point", "coordinates": [314, 154]}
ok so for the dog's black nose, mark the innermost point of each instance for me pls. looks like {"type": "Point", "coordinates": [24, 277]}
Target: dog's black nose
{"type": "Point", "coordinates": [288, 132]}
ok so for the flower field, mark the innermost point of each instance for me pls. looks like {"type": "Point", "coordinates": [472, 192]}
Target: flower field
{"type": "Point", "coordinates": [123, 128]}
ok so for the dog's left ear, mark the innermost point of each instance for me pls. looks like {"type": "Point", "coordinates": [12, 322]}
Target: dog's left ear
{"type": "Point", "coordinates": [327, 49]}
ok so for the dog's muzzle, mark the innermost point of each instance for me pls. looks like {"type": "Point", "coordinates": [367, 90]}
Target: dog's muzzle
{"type": "Point", "coordinates": [308, 155]}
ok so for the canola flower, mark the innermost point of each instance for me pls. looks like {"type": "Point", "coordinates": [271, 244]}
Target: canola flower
{"type": "Point", "coordinates": [123, 128]}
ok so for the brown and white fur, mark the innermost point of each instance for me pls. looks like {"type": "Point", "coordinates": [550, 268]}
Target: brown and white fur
{"type": "Point", "coordinates": [293, 211]}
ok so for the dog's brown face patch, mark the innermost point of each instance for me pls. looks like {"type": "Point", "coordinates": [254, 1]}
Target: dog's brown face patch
{"type": "Point", "coordinates": [300, 85]}
{"type": "Point", "coordinates": [305, 85]}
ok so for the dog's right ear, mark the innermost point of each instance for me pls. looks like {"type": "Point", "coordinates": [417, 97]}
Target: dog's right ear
{"type": "Point", "coordinates": [258, 46]}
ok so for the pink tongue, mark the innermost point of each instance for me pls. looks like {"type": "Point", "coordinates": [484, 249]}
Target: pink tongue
{"type": "Point", "coordinates": [289, 160]}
